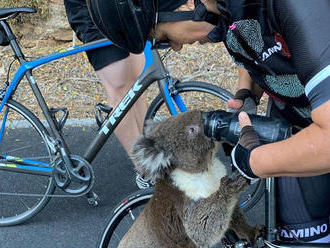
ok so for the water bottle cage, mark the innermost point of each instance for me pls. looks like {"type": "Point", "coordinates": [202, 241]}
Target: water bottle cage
{"type": "Point", "coordinates": [59, 120]}
{"type": "Point", "coordinates": [99, 110]}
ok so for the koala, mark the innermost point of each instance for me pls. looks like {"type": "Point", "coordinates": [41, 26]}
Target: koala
{"type": "Point", "coordinates": [195, 201]}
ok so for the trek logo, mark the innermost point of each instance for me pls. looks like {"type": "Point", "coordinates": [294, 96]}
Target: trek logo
{"type": "Point", "coordinates": [272, 50]}
{"type": "Point", "coordinates": [123, 105]}
{"type": "Point", "coordinates": [304, 232]}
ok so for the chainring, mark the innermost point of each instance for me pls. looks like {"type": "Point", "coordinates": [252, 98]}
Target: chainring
{"type": "Point", "coordinates": [79, 180]}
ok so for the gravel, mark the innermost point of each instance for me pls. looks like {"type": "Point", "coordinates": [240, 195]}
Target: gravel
{"type": "Point", "coordinates": [71, 82]}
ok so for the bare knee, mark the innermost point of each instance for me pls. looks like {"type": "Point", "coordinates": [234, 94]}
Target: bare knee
{"type": "Point", "coordinates": [120, 75]}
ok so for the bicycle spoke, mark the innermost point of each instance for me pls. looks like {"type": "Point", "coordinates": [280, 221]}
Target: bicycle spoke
{"type": "Point", "coordinates": [22, 201]}
{"type": "Point", "coordinates": [123, 218]}
{"type": "Point", "coordinates": [132, 216]}
{"type": "Point", "coordinates": [23, 190]}
{"type": "Point", "coordinates": [17, 150]}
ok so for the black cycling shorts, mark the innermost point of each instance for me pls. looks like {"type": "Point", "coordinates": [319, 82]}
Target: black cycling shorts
{"type": "Point", "coordinates": [104, 56]}
{"type": "Point", "coordinates": [81, 22]}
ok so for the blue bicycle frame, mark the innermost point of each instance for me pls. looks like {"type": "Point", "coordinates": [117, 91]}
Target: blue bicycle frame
{"type": "Point", "coordinates": [25, 69]}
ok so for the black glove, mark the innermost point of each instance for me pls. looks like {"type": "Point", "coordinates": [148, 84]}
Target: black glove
{"type": "Point", "coordinates": [249, 106]}
{"type": "Point", "coordinates": [249, 99]}
{"type": "Point", "coordinates": [240, 155]}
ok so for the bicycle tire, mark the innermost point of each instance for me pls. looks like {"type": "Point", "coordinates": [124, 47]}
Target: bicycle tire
{"type": "Point", "coordinates": [191, 86]}
{"type": "Point", "coordinates": [124, 210]}
{"type": "Point", "coordinates": [255, 192]}
{"type": "Point", "coordinates": [25, 135]}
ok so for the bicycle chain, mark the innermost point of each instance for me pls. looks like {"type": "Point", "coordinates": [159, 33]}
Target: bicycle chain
{"type": "Point", "coordinates": [43, 195]}
{"type": "Point", "coordinates": [53, 195]}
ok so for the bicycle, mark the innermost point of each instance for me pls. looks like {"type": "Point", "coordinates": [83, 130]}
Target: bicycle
{"type": "Point", "coordinates": [123, 216]}
{"type": "Point", "coordinates": [51, 164]}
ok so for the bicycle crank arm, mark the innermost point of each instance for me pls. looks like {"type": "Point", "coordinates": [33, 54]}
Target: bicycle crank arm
{"type": "Point", "coordinates": [76, 178]}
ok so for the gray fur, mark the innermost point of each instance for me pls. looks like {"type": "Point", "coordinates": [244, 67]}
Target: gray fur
{"type": "Point", "coordinates": [194, 199]}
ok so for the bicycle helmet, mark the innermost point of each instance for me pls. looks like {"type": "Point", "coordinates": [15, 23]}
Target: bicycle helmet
{"type": "Point", "coordinates": [127, 23]}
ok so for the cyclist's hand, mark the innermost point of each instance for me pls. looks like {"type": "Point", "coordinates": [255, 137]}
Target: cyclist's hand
{"type": "Point", "coordinates": [248, 141]}
{"type": "Point", "coordinates": [244, 100]}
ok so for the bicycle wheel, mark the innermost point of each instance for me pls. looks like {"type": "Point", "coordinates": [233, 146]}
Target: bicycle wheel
{"type": "Point", "coordinates": [123, 216]}
{"type": "Point", "coordinates": [204, 96]}
{"type": "Point", "coordinates": [252, 195]}
{"type": "Point", "coordinates": [195, 95]}
{"type": "Point", "coordinates": [22, 195]}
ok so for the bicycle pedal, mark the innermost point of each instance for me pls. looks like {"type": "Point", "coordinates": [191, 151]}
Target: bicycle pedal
{"type": "Point", "coordinates": [60, 120]}
{"type": "Point", "coordinates": [93, 200]}
{"type": "Point", "coordinates": [99, 110]}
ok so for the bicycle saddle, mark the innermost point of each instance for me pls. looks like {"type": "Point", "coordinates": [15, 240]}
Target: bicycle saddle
{"type": "Point", "coordinates": [8, 12]}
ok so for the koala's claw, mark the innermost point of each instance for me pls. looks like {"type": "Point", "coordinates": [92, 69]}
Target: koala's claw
{"type": "Point", "coordinates": [241, 183]}
{"type": "Point", "coordinates": [226, 180]}
{"type": "Point", "coordinates": [260, 232]}
{"type": "Point", "coordinates": [259, 235]}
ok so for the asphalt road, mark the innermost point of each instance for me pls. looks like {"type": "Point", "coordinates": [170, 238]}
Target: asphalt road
{"type": "Point", "coordinates": [72, 222]}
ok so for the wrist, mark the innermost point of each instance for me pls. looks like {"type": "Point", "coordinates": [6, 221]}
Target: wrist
{"type": "Point", "coordinates": [253, 162]}
{"type": "Point", "coordinates": [245, 93]}
{"type": "Point", "coordinates": [240, 159]}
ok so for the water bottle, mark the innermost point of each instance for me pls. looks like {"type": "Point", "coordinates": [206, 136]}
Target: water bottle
{"type": "Point", "coordinates": [224, 126]}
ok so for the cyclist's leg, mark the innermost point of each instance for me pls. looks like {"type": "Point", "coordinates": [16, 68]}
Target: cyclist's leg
{"type": "Point", "coordinates": [117, 78]}
{"type": "Point", "coordinates": [303, 205]}
{"type": "Point", "coordinates": [116, 69]}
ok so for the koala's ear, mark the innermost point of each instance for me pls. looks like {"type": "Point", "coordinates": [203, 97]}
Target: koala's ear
{"type": "Point", "coordinates": [150, 161]}
{"type": "Point", "coordinates": [151, 123]}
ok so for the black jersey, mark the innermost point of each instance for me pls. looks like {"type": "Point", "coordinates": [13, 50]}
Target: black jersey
{"type": "Point", "coordinates": [285, 46]}
{"type": "Point", "coordinates": [83, 25]}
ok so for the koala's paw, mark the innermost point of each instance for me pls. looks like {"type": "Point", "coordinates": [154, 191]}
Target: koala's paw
{"type": "Point", "coordinates": [226, 180]}
{"type": "Point", "coordinates": [236, 182]}
{"type": "Point", "coordinates": [235, 175]}
{"type": "Point", "coordinates": [259, 235]}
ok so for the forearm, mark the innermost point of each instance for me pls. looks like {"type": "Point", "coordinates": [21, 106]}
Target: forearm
{"type": "Point", "coordinates": [305, 154]}
{"type": "Point", "coordinates": [244, 79]}
{"type": "Point", "coordinates": [246, 82]}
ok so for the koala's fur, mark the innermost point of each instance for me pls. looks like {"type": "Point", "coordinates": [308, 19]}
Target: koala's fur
{"type": "Point", "coordinates": [194, 201]}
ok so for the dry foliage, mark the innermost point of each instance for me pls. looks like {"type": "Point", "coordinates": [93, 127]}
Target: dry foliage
{"type": "Point", "coordinates": [40, 5]}
{"type": "Point", "coordinates": [71, 82]}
